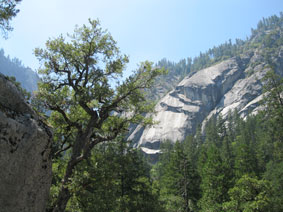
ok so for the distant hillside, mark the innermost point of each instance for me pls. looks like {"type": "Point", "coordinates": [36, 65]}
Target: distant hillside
{"type": "Point", "coordinates": [225, 78]}
{"type": "Point", "coordinates": [265, 39]}
{"type": "Point", "coordinates": [14, 67]}
{"type": "Point", "coordinates": [163, 84]}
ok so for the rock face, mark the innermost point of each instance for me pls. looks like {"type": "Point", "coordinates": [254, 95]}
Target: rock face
{"type": "Point", "coordinates": [25, 162]}
{"type": "Point", "coordinates": [229, 85]}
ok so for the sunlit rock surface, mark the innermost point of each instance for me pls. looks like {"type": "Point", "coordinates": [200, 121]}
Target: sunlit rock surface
{"type": "Point", "coordinates": [234, 84]}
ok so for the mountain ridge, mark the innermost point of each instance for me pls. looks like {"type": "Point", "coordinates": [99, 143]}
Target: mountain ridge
{"type": "Point", "coordinates": [14, 68]}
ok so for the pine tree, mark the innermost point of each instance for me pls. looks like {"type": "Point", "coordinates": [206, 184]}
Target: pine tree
{"type": "Point", "coordinates": [115, 179]}
{"type": "Point", "coordinates": [244, 148]}
{"type": "Point", "coordinates": [274, 174]}
{"type": "Point", "coordinates": [178, 182]}
{"type": "Point", "coordinates": [213, 180]}
{"type": "Point", "coordinates": [215, 166]}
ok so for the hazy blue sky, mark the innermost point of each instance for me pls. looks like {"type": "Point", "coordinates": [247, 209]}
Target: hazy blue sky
{"type": "Point", "coordinates": [144, 29]}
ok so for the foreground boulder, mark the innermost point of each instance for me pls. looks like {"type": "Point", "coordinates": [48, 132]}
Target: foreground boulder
{"type": "Point", "coordinates": [25, 162]}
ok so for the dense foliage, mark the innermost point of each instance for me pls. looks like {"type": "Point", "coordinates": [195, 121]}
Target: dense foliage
{"type": "Point", "coordinates": [117, 180]}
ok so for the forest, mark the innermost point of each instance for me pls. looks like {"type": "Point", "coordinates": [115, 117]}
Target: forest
{"type": "Point", "coordinates": [233, 164]}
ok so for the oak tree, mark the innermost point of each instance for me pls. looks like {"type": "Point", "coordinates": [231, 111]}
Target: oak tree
{"type": "Point", "coordinates": [81, 85]}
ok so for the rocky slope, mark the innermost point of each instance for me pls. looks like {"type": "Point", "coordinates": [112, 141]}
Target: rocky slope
{"type": "Point", "coordinates": [165, 83]}
{"type": "Point", "coordinates": [25, 162]}
{"type": "Point", "coordinates": [232, 84]}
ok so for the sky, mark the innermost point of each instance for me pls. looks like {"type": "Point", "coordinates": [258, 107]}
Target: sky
{"type": "Point", "coordinates": [144, 29]}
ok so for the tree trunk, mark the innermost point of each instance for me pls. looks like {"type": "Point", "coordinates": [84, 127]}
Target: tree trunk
{"type": "Point", "coordinates": [62, 200]}
{"type": "Point", "coordinates": [186, 196]}
{"type": "Point", "coordinates": [64, 193]}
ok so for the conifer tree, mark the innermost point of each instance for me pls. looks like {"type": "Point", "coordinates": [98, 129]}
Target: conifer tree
{"type": "Point", "coordinates": [213, 181]}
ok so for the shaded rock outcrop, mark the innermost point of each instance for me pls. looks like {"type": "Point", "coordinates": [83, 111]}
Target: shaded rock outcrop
{"type": "Point", "coordinates": [25, 162]}
{"type": "Point", "coordinates": [234, 84]}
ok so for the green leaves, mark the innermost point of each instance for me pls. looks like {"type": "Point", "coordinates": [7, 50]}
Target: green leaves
{"type": "Point", "coordinates": [248, 195]}
{"type": "Point", "coordinates": [78, 85]}
{"type": "Point", "coordinates": [76, 76]}
{"type": "Point", "coordinates": [115, 178]}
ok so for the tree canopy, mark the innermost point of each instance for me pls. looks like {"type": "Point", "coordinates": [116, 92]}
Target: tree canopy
{"type": "Point", "coordinates": [81, 85]}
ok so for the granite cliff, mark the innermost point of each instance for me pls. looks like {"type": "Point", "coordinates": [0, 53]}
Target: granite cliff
{"type": "Point", "coordinates": [233, 84]}
{"type": "Point", "coordinates": [25, 160]}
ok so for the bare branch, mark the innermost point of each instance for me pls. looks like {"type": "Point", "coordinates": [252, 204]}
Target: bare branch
{"type": "Point", "coordinates": [63, 150]}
